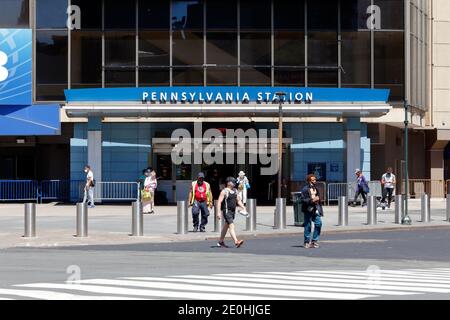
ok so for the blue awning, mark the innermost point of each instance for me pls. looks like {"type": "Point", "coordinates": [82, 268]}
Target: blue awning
{"type": "Point", "coordinates": [31, 120]}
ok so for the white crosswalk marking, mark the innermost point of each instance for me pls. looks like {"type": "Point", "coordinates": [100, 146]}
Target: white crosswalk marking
{"type": "Point", "coordinates": [302, 285]}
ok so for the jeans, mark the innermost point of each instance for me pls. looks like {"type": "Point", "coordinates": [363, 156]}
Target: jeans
{"type": "Point", "coordinates": [89, 196]}
{"type": "Point", "coordinates": [363, 195]}
{"type": "Point", "coordinates": [309, 219]}
{"type": "Point", "coordinates": [387, 192]}
{"type": "Point", "coordinates": [196, 209]}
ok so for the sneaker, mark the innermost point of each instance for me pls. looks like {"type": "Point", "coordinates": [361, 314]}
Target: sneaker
{"type": "Point", "coordinates": [202, 230]}
{"type": "Point", "coordinates": [239, 243]}
{"type": "Point", "coordinates": [315, 245]}
{"type": "Point", "coordinates": [307, 245]}
{"type": "Point", "coordinates": [244, 213]}
{"type": "Point", "coordinates": [195, 229]}
{"type": "Point", "coordinates": [152, 212]}
{"type": "Point", "coordinates": [222, 244]}
{"type": "Point", "coordinates": [91, 206]}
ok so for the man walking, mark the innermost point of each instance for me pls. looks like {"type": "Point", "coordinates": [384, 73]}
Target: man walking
{"type": "Point", "coordinates": [201, 199]}
{"type": "Point", "coordinates": [229, 200]}
{"type": "Point", "coordinates": [388, 184]}
{"type": "Point", "coordinates": [312, 209]}
{"type": "Point", "coordinates": [89, 187]}
{"type": "Point", "coordinates": [362, 187]}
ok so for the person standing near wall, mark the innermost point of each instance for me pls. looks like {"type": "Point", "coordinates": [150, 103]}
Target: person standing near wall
{"type": "Point", "coordinates": [89, 187]}
{"type": "Point", "coordinates": [242, 186]}
{"type": "Point", "coordinates": [201, 200]}
{"type": "Point", "coordinates": [362, 188]}
{"type": "Point", "coordinates": [388, 183]}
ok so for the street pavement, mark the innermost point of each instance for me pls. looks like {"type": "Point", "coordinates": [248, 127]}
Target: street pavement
{"type": "Point", "coordinates": [372, 264]}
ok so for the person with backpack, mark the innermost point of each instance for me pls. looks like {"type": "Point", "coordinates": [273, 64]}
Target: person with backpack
{"type": "Point", "coordinates": [362, 187]}
{"type": "Point", "coordinates": [242, 185]}
{"type": "Point", "coordinates": [201, 200]}
{"type": "Point", "coordinates": [312, 210]}
{"type": "Point", "coordinates": [229, 200]}
{"type": "Point", "coordinates": [388, 183]}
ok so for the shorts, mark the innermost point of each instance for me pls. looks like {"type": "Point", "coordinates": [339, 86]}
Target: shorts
{"type": "Point", "coordinates": [229, 216]}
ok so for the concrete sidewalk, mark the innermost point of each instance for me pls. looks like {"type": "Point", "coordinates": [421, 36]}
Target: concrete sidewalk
{"type": "Point", "coordinates": [111, 224]}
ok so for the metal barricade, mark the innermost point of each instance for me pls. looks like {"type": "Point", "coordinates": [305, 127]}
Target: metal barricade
{"type": "Point", "coordinates": [61, 190]}
{"type": "Point", "coordinates": [19, 190]}
{"type": "Point", "coordinates": [418, 187]}
{"type": "Point", "coordinates": [336, 190]}
{"type": "Point", "coordinates": [116, 191]}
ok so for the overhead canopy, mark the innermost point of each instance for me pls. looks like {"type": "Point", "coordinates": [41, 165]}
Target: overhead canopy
{"type": "Point", "coordinates": [226, 101]}
{"type": "Point", "coordinates": [31, 120]}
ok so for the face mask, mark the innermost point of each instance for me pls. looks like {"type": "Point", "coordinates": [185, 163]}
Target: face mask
{"type": "Point", "coordinates": [199, 182]}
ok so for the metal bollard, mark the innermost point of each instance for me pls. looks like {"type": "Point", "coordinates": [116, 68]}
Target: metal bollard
{"type": "Point", "coordinates": [30, 220]}
{"type": "Point", "coordinates": [372, 210]}
{"type": "Point", "coordinates": [137, 219]}
{"type": "Point", "coordinates": [82, 219]}
{"type": "Point", "coordinates": [399, 210]}
{"type": "Point", "coordinates": [182, 217]}
{"type": "Point", "coordinates": [447, 217]}
{"type": "Point", "coordinates": [251, 220]}
{"type": "Point", "coordinates": [425, 208]}
{"type": "Point", "coordinates": [343, 211]}
{"type": "Point", "coordinates": [218, 223]}
{"type": "Point", "coordinates": [280, 214]}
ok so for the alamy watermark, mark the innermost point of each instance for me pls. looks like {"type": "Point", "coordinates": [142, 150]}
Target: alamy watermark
{"type": "Point", "coordinates": [230, 147]}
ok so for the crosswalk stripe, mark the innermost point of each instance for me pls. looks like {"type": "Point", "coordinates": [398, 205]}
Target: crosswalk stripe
{"type": "Point", "coordinates": [379, 284]}
{"type": "Point", "coordinates": [317, 285]}
{"type": "Point", "coordinates": [275, 285]}
{"type": "Point", "coordinates": [51, 295]}
{"type": "Point", "coordinates": [265, 292]}
{"type": "Point", "coordinates": [384, 276]}
{"type": "Point", "coordinates": [429, 274]}
{"type": "Point", "coordinates": [141, 292]}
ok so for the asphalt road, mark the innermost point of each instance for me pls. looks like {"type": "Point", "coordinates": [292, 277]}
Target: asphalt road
{"type": "Point", "coordinates": [393, 252]}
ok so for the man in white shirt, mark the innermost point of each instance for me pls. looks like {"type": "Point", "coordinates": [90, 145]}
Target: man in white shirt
{"type": "Point", "coordinates": [89, 187]}
{"type": "Point", "coordinates": [388, 183]}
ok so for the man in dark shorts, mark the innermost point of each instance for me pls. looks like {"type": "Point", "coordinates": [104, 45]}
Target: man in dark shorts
{"type": "Point", "coordinates": [229, 200]}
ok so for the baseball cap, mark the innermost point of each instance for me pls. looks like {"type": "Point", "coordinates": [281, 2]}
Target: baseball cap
{"type": "Point", "coordinates": [201, 175]}
{"type": "Point", "coordinates": [358, 170]}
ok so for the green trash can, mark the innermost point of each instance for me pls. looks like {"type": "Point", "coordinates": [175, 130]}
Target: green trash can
{"type": "Point", "coordinates": [299, 217]}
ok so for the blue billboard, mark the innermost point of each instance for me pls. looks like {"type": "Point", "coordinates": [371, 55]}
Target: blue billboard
{"type": "Point", "coordinates": [16, 67]}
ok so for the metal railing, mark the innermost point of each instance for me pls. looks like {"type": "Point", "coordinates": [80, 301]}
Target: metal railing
{"type": "Point", "coordinates": [418, 187]}
{"type": "Point", "coordinates": [337, 190]}
{"type": "Point", "coordinates": [116, 191]}
{"type": "Point", "coordinates": [19, 190]}
{"type": "Point", "coordinates": [61, 190]}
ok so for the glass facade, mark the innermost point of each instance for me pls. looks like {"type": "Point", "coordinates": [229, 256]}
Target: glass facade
{"type": "Point", "coordinates": [128, 43]}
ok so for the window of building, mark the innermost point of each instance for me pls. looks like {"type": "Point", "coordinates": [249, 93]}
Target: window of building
{"type": "Point", "coordinates": [120, 14]}
{"type": "Point", "coordinates": [51, 65]}
{"type": "Point", "coordinates": [356, 59]}
{"type": "Point", "coordinates": [187, 48]}
{"type": "Point", "coordinates": [91, 13]}
{"type": "Point", "coordinates": [51, 14]}
{"type": "Point", "coordinates": [187, 76]}
{"type": "Point", "coordinates": [256, 76]}
{"type": "Point", "coordinates": [392, 14]}
{"type": "Point", "coordinates": [289, 14]}
{"type": "Point", "coordinates": [285, 76]}
{"type": "Point", "coordinates": [389, 63]}
{"type": "Point", "coordinates": [14, 14]}
{"type": "Point", "coordinates": [221, 15]}
{"type": "Point", "coordinates": [154, 14]}
{"type": "Point", "coordinates": [187, 14]}
{"type": "Point", "coordinates": [154, 58]}
{"type": "Point", "coordinates": [86, 59]}
{"type": "Point", "coordinates": [322, 48]}
{"type": "Point", "coordinates": [354, 14]}
{"type": "Point", "coordinates": [255, 48]}
{"type": "Point", "coordinates": [120, 59]}
{"type": "Point", "coordinates": [255, 14]}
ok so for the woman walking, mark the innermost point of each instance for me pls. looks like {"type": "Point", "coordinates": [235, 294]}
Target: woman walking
{"type": "Point", "coordinates": [243, 185]}
{"type": "Point", "coordinates": [148, 184]}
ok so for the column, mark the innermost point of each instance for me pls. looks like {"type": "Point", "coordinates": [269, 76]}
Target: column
{"type": "Point", "coordinates": [436, 172]}
{"type": "Point", "coordinates": [352, 145]}
{"type": "Point", "coordinates": [95, 150]}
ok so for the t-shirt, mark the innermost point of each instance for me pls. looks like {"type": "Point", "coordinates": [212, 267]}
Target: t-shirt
{"type": "Point", "coordinates": [90, 176]}
{"type": "Point", "coordinates": [388, 180]}
{"type": "Point", "coordinates": [150, 183]}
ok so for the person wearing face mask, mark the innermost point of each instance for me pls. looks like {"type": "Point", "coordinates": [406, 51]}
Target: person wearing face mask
{"type": "Point", "coordinates": [148, 183]}
{"type": "Point", "coordinates": [89, 187]}
{"type": "Point", "coordinates": [201, 200]}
